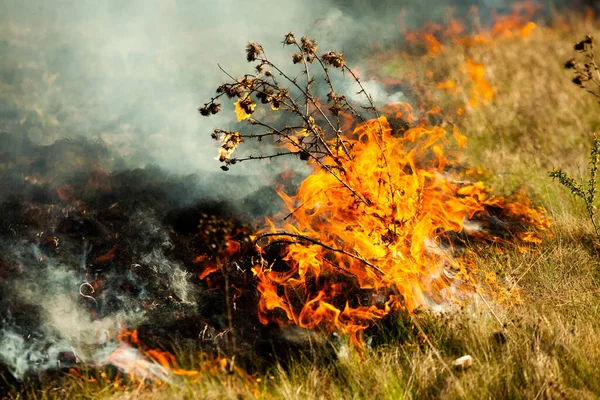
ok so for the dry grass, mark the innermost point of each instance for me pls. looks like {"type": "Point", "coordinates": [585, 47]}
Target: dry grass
{"type": "Point", "coordinates": [548, 346]}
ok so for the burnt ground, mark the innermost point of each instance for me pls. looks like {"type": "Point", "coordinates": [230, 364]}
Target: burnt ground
{"type": "Point", "coordinates": [159, 249]}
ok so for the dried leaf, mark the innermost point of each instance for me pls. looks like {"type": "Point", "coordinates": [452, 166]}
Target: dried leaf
{"type": "Point", "coordinates": [244, 107]}
{"type": "Point", "coordinates": [230, 141]}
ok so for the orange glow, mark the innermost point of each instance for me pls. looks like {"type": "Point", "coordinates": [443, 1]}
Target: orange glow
{"type": "Point", "coordinates": [109, 255]}
{"type": "Point", "coordinates": [208, 269]}
{"type": "Point", "coordinates": [447, 85]}
{"type": "Point", "coordinates": [156, 366]}
{"type": "Point", "coordinates": [481, 92]}
{"type": "Point", "coordinates": [433, 40]}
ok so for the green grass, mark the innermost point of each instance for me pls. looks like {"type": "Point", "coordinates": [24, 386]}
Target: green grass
{"type": "Point", "coordinates": [547, 345]}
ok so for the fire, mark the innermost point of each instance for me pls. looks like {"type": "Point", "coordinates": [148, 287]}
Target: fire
{"type": "Point", "coordinates": [481, 92]}
{"type": "Point", "coordinates": [144, 365]}
{"type": "Point", "coordinates": [154, 366]}
{"type": "Point", "coordinates": [432, 40]}
{"type": "Point", "coordinates": [357, 255]}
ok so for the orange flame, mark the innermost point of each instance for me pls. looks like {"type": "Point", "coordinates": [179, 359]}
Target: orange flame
{"type": "Point", "coordinates": [482, 91]}
{"type": "Point", "coordinates": [153, 367]}
{"type": "Point", "coordinates": [432, 40]}
{"type": "Point", "coordinates": [358, 255]}
{"type": "Point", "coordinates": [142, 364]}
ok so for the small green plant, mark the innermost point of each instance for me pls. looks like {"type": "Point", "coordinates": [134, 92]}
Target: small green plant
{"type": "Point", "coordinates": [585, 190]}
{"type": "Point", "coordinates": [587, 77]}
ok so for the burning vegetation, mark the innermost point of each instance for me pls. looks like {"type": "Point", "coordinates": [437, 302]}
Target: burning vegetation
{"type": "Point", "coordinates": [381, 223]}
{"type": "Point", "coordinates": [109, 278]}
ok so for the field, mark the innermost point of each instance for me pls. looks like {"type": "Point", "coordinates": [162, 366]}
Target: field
{"type": "Point", "coordinates": [522, 117]}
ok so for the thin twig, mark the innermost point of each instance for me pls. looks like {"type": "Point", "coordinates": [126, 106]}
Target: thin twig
{"type": "Point", "coordinates": [317, 242]}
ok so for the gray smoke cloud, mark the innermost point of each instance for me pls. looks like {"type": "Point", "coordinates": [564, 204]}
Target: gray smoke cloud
{"type": "Point", "coordinates": [131, 74]}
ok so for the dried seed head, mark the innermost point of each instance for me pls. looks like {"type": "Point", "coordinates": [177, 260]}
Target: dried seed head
{"type": "Point", "coordinates": [334, 59]}
{"type": "Point", "coordinates": [230, 141]}
{"type": "Point", "coordinates": [579, 46]}
{"type": "Point", "coordinates": [247, 105]}
{"type": "Point", "coordinates": [297, 58]}
{"type": "Point", "coordinates": [268, 73]}
{"type": "Point", "coordinates": [570, 64]}
{"type": "Point", "coordinates": [276, 103]}
{"type": "Point", "coordinates": [265, 95]}
{"type": "Point", "coordinates": [214, 108]}
{"type": "Point", "coordinates": [289, 38]}
{"type": "Point", "coordinates": [229, 90]}
{"type": "Point", "coordinates": [588, 39]}
{"type": "Point", "coordinates": [253, 51]}
{"type": "Point", "coordinates": [577, 80]}
{"type": "Point", "coordinates": [247, 82]}
{"type": "Point", "coordinates": [336, 108]}
{"type": "Point", "coordinates": [204, 111]}
{"type": "Point", "coordinates": [236, 91]}
{"type": "Point", "coordinates": [309, 46]}
{"type": "Point", "coordinates": [332, 96]}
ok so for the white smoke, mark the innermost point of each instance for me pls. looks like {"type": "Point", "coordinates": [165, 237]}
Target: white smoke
{"type": "Point", "coordinates": [132, 74]}
{"type": "Point", "coordinates": [69, 319]}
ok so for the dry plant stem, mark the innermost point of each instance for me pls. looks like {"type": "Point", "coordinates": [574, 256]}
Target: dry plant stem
{"type": "Point", "coordinates": [314, 241]}
{"type": "Point", "coordinates": [514, 285]}
{"type": "Point", "coordinates": [591, 215]}
{"type": "Point", "coordinates": [228, 306]}
{"type": "Point", "coordinates": [308, 80]}
{"type": "Point", "coordinates": [326, 167]}
{"type": "Point", "coordinates": [502, 324]}
{"type": "Point", "coordinates": [269, 157]}
{"type": "Point", "coordinates": [380, 140]}
{"type": "Point", "coordinates": [309, 97]}
{"type": "Point", "coordinates": [302, 205]}
{"type": "Point", "coordinates": [328, 80]}
{"type": "Point", "coordinates": [338, 130]}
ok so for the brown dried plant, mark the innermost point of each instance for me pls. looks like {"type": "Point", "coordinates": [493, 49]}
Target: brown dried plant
{"type": "Point", "coordinates": [587, 74]}
{"type": "Point", "coordinates": [314, 126]}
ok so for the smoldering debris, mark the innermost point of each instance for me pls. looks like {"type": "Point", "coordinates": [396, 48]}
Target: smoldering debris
{"type": "Point", "coordinates": [86, 252]}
